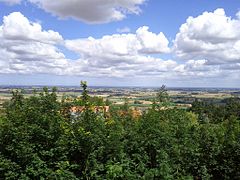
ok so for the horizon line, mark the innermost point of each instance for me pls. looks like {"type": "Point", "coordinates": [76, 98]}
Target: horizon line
{"type": "Point", "coordinates": [116, 86]}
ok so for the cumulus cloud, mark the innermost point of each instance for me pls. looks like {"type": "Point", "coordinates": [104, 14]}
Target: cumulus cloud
{"type": "Point", "coordinates": [26, 48]}
{"type": "Point", "coordinates": [11, 2]}
{"type": "Point", "coordinates": [17, 27]}
{"type": "Point", "coordinates": [129, 55]}
{"type": "Point", "coordinates": [142, 42]}
{"type": "Point", "coordinates": [128, 66]}
{"type": "Point", "coordinates": [94, 11]}
{"type": "Point", "coordinates": [150, 42]}
{"type": "Point", "coordinates": [198, 68]}
{"type": "Point", "coordinates": [212, 36]}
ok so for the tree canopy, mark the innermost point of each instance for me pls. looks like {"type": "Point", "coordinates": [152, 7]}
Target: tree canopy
{"type": "Point", "coordinates": [40, 140]}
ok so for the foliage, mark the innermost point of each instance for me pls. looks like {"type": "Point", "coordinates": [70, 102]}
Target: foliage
{"type": "Point", "coordinates": [85, 99]}
{"type": "Point", "coordinates": [217, 112]}
{"type": "Point", "coordinates": [39, 140]}
{"type": "Point", "coordinates": [162, 97]}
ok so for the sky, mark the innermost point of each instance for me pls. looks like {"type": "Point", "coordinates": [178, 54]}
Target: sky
{"type": "Point", "coordinates": [179, 43]}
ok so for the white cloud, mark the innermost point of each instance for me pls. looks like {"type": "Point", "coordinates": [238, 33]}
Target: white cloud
{"type": "Point", "coordinates": [212, 36]}
{"type": "Point", "coordinates": [198, 68]}
{"type": "Point", "coordinates": [128, 66]}
{"type": "Point", "coordinates": [143, 42]}
{"type": "Point", "coordinates": [17, 27]}
{"type": "Point", "coordinates": [26, 48]}
{"type": "Point", "coordinates": [212, 43]}
{"type": "Point", "coordinates": [94, 11]}
{"type": "Point", "coordinates": [129, 55]}
{"type": "Point", "coordinates": [11, 2]}
{"type": "Point", "coordinates": [150, 42]}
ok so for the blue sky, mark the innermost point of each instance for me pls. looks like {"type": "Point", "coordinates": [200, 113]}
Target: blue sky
{"type": "Point", "coordinates": [133, 43]}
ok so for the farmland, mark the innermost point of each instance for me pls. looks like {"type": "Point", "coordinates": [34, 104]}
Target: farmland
{"type": "Point", "coordinates": [136, 97]}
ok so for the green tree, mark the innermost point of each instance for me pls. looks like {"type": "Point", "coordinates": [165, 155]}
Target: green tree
{"type": "Point", "coordinates": [162, 97]}
{"type": "Point", "coordinates": [31, 136]}
{"type": "Point", "coordinates": [85, 96]}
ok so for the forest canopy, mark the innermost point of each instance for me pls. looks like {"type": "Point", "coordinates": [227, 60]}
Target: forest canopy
{"type": "Point", "coordinates": [41, 139]}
